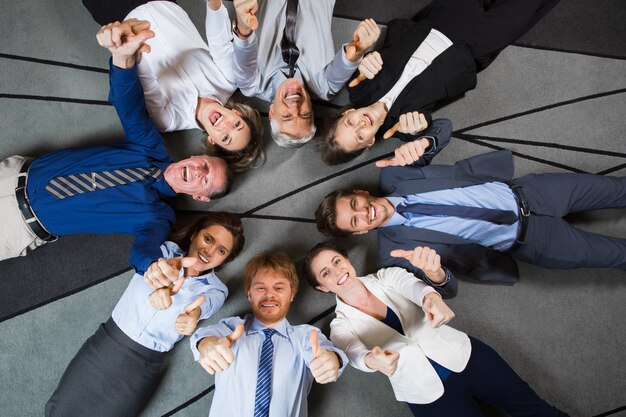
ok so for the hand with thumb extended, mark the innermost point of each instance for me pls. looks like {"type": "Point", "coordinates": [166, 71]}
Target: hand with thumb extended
{"type": "Point", "coordinates": [165, 272]}
{"type": "Point", "coordinates": [216, 354]}
{"type": "Point", "coordinates": [385, 361]}
{"type": "Point", "coordinates": [187, 321]}
{"type": "Point", "coordinates": [324, 364]}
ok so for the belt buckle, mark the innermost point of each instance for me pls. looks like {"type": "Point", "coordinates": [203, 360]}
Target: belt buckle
{"type": "Point", "coordinates": [523, 208]}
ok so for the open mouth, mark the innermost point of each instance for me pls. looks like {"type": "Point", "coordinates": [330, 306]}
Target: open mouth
{"type": "Point", "coordinates": [372, 213]}
{"type": "Point", "coordinates": [203, 259]}
{"type": "Point", "coordinates": [292, 94]}
{"type": "Point", "coordinates": [342, 279]}
{"type": "Point", "coordinates": [269, 305]}
{"type": "Point", "coordinates": [369, 119]}
{"type": "Point", "coordinates": [215, 118]}
{"type": "Point", "coordinates": [185, 174]}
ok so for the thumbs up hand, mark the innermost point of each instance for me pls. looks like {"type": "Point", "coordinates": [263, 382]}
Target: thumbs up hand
{"type": "Point", "coordinates": [187, 321]}
{"type": "Point", "coordinates": [164, 272]}
{"type": "Point", "coordinates": [324, 365]}
{"type": "Point", "coordinates": [365, 35]}
{"type": "Point", "coordinates": [385, 361]}
{"type": "Point", "coordinates": [437, 311]}
{"type": "Point", "coordinates": [216, 354]}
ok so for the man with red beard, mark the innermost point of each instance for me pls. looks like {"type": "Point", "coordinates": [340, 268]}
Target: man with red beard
{"type": "Point", "coordinates": [236, 349]}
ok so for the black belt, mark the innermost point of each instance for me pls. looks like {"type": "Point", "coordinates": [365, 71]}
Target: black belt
{"type": "Point", "coordinates": [522, 214]}
{"type": "Point", "coordinates": [27, 211]}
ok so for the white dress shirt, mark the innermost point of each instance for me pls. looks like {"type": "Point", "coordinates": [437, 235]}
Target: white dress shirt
{"type": "Point", "coordinates": [155, 329]}
{"type": "Point", "coordinates": [291, 379]}
{"type": "Point", "coordinates": [356, 333]}
{"type": "Point", "coordinates": [259, 65]}
{"type": "Point", "coordinates": [433, 45]}
{"type": "Point", "coordinates": [181, 67]}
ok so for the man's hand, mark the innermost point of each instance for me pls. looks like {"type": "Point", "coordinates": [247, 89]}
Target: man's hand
{"type": "Point", "coordinates": [187, 321]}
{"type": "Point", "coordinates": [216, 354]}
{"type": "Point", "coordinates": [125, 40]}
{"type": "Point", "coordinates": [425, 259]}
{"type": "Point", "coordinates": [246, 16]}
{"type": "Point", "coordinates": [385, 361]}
{"type": "Point", "coordinates": [406, 154]}
{"type": "Point", "coordinates": [164, 272]}
{"type": "Point", "coordinates": [365, 35]}
{"type": "Point", "coordinates": [437, 311]}
{"type": "Point", "coordinates": [410, 123]}
{"type": "Point", "coordinates": [368, 68]}
{"type": "Point", "coordinates": [214, 4]}
{"type": "Point", "coordinates": [325, 365]}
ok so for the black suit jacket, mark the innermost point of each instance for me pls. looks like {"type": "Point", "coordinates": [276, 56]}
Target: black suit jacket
{"type": "Point", "coordinates": [457, 253]}
{"type": "Point", "coordinates": [450, 75]}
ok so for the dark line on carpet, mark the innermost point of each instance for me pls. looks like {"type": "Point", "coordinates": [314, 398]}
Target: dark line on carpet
{"type": "Point", "coordinates": [543, 144]}
{"type": "Point", "coordinates": [57, 99]}
{"type": "Point", "coordinates": [270, 217]}
{"type": "Point", "coordinates": [67, 294]}
{"type": "Point", "coordinates": [569, 51]}
{"type": "Point", "coordinates": [608, 413]}
{"type": "Point", "coordinates": [524, 156]}
{"type": "Point", "coordinates": [314, 183]}
{"type": "Point", "coordinates": [212, 387]}
{"type": "Point", "coordinates": [610, 170]}
{"type": "Point", "coordinates": [542, 108]}
{"type": "Point", "coordinates": [55, 63]}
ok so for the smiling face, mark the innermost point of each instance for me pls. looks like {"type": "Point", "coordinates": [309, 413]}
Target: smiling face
{"type": "Point", "coordinates": [292, 109]}
{"type": "Point", "coordinates": [225, 128]}
{"type": "Point", "coordinates": [360, 212]}
{"type": "Point", "coordinates": [270, 297]}
{"type": "Point", "coordinates": [333, 272]}
{"type": "Point", "coordinates": [198, 176]}
{"type": "Point", "coordinates": [211, 246]}
{"type": "Point", "coordinates": [357, 127]}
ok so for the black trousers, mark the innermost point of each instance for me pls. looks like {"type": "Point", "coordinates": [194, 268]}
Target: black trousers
{"type": "Point", "coordinates": [487, 32]}
{"type": "Point", "coordinates": [489, 378]}
{"type": "Point", "coordinates": [108, 11]}
{"type": "Point", "coordinates": [110, 376]}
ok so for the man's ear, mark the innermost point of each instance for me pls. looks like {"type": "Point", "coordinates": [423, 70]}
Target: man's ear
{"type": "Point", "coordinates": [202, 198]}
{"type": "Point", "coordinates": [361, 192]}
{"type": "Point", "coordinates": [210, 139]}
{"type": "Point", "coordinates": [361, 232]}
{"type": "Point", "coordinates": [371, 142]}
{"type": "Point", "coordinates": [271, 112]}
{"type": "Point", "coordinates": [322, 288]}
{"type": "Point", "coordinates": [346, 111]}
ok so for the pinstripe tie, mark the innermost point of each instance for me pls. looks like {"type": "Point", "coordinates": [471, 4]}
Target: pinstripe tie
{"type": "Point", "coordinates": [264, 376]}
{"type": "Point", "coordinates": [70, 185]}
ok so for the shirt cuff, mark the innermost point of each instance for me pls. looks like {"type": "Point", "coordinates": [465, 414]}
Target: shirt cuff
{"type": "Point", "coordinates": [433, 146]}
{"type": "Point", "coordinates": [445, 281]}
{"type": "Point", "coordinates": [244, 43]}
{"type": "Point", "coordinates": [121, 75]}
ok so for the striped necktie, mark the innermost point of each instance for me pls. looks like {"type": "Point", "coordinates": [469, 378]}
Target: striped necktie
{"type": "Point", "coordinates": [71, 185]}
{"type": "Point", "coordinates": [495, 216]}
{"type": "Point", "coordinates": [264, 376]}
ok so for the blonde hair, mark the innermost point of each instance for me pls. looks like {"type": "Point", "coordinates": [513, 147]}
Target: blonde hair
{"type": "Point", "coordinates": [279, 264]}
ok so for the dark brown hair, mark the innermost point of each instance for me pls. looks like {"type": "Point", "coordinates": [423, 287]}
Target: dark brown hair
{"type": "Point", "coordinates": [317, 249]}
{"type": "Point", "coordinates": [329, 148]}
{"type": "Point", "coordinates": [326, 214]}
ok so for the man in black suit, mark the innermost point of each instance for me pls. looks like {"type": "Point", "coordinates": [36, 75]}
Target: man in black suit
{"type": "Point", "coordinates": [480, 218]}
{"type": "Point", "coordinates": [423, 62]}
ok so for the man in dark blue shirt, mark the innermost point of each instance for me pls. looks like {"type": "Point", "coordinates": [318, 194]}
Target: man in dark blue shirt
{"type": "Point", "coordinates": [126, 187]}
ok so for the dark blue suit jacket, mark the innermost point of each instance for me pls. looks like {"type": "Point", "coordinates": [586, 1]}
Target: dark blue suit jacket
{"type": "Point", "coordinates": [469, 258]}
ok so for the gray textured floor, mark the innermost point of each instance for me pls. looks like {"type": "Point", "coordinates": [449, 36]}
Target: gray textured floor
{"type": "Point", "coordinates": [563, 331]}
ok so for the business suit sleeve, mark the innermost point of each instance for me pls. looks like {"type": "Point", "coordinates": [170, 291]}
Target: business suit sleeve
{"type": "Point", "coordinates": [149, 237]}
{"type": "Point", "coordinates": [405, 283]}
{"type": "Point", "coordinates": [345, 339]}
{"type": "Point", "coordinates": [246, 65]}
{"type": "Point", "coordinates": [439, 132]}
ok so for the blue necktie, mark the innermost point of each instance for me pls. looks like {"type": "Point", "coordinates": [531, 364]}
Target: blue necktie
{"type": "Point", "coordinates": [495, 216]}
{"type": "Point", "coordinates": [264, 376]}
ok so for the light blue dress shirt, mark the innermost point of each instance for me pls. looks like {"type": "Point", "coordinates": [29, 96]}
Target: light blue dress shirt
{"type": "Point", "coordinates": [155, 329]}
{"type": "Point", "coordinates": [291, 379]}
{"type": "Point", "coordinates": [493, 195]}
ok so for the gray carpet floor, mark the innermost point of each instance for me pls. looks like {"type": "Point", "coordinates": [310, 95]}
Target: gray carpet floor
{"type": "Point", "coordinates": [556, 98]}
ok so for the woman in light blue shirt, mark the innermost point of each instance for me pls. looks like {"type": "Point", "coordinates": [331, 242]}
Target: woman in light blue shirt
{"type": "Point", "coordinates": [117, 370]}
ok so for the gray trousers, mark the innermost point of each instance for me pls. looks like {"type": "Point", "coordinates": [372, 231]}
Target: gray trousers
{"type": "Point", "coordinates": [110, 376]}
{"type": "Point", "coordinates": [552, 242]}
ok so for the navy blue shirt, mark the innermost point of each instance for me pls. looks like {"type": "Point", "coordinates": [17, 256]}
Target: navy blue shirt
{"type": "Point", "coordinates": [140, 208]}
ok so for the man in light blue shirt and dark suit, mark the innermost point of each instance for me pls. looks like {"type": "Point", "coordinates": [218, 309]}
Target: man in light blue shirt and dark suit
{"type": "Point", "coordinates": [479, 219]}
{"type": "Point", "coordinates": [264, 366]}
{"type": "Point", "coordinates": [124, 187]}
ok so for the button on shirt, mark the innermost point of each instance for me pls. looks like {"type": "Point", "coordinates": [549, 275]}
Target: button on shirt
{"type": "Point", "coordinates": [181, 66]}
{"type": "Point", "coordinates": [291, 379]}
{"type": "Point", "coordinates": [155, 329]}
{"type": "Point", "coordinates": [494, 195]}
{"type": "Point", "coordinates": [141, 208]}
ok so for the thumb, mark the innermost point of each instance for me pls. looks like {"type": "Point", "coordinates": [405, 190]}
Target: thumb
{"type": "Point", "coordinates": [185, 262]}
{"type": "Point", "coordinates": [177, 286]}
{"type": "Point", "coordinates": [357, 80]}
{"type": "Point", "coordinates": [315, 343]}
{"type": "Point", "coordinates": [376, 351]}
{"type": "Point", "coordinates": [143, 36]}
{"type": "Point", "coordinates": [351, 49]}
{"type": "Point", "coordinates": [401, 253]}
{"type": "Point", "coordinates": [236, 334]}
{"type": "Point", "coordinates": [193, 305]}
{"type": "Point", "coordinates": [391, 131]}
{"type": "Point", "coordinates": [386, 163]}
{"type": "Point", "coordinates": [253, 22]}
